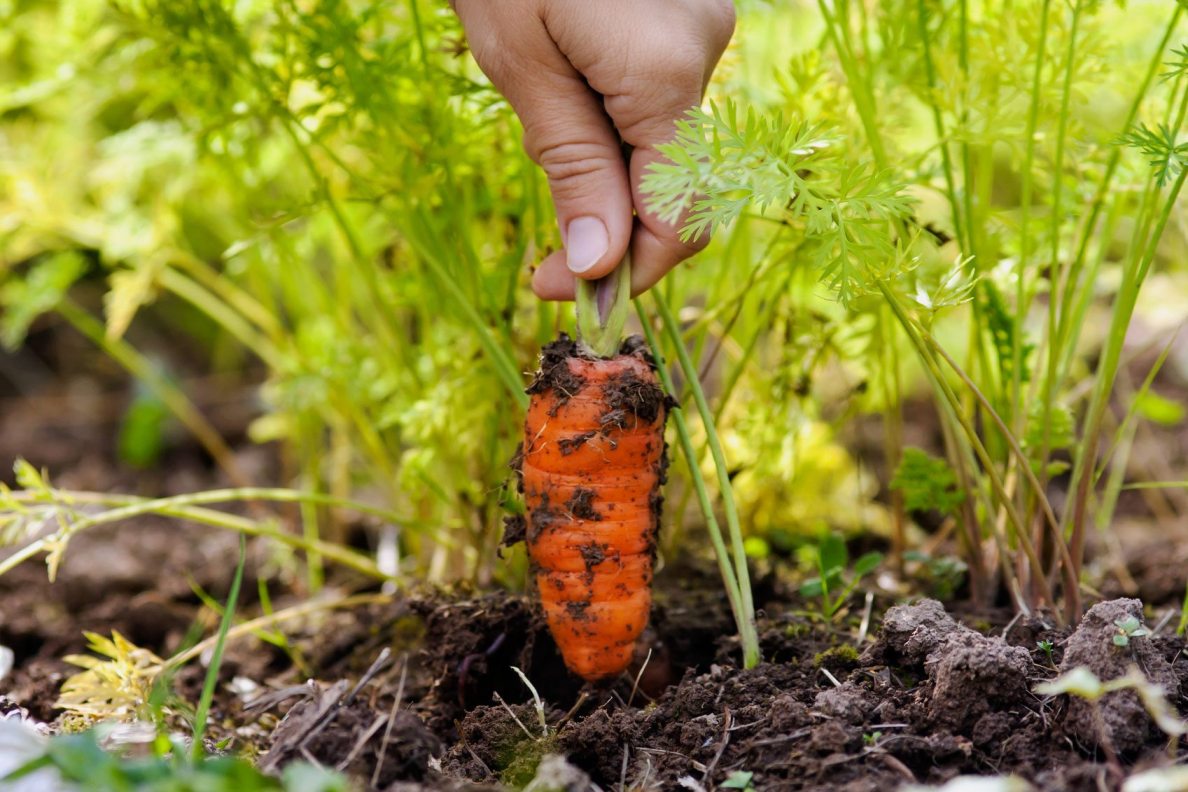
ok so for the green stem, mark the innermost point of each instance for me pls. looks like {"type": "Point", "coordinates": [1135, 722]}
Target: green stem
{"type": "Point", "coordinates": [743, 619]}
{"type": "Point", "coordinates": [216, 661]}
{"type": "Point", "coordinates": [860, 90]}
{"type": "Point", "coordinates": [730, 509]}
{"type": "Point", "coordinates": [500, 360]}
{"type": "Point", "coordinates": [288, 614]}
{"type": "Point", "coordinates": [178, 403]}
{"type": "Point", "coordinates": [1084, 465]}
{"type": "Point", "coordinates": [1056, 278]}
{"type": "Point", "coordinates": [184, 507]}
{"type": "Point", "coordinates": [601, 307]}
{"type": "Point", "coordinates": [1063, 340]}
{"type": "Point", "coordinates": [939, 124]}
{"type": "Point", "coordinates": [1021, 299]}
{"type": "Point", "coordinates": [936, 376]}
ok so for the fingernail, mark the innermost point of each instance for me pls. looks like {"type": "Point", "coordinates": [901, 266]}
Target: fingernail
{"type": "Point", "coordinates": [586, 241]}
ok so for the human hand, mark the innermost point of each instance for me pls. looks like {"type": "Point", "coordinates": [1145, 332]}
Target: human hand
{"type": "Point", "coordinates": [585, 76]}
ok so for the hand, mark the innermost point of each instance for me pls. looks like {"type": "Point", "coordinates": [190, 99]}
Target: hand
{"type": "Point", "coordinates": [585, 76]}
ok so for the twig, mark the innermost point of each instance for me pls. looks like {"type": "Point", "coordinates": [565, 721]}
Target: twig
{"type": "Point", "coordinates": [796, 735]}
{"type": "Point", "coordinates": [1011, 625]}
{"type": "Point", "coordinates": [864, 627]}
{"type": "Point", "coordinates": [831, 677]}
{"type": "Point", "coordinates": [476, 757]}
{"type": "Point", "coordinates": [379, 664]}
{"type": "Point", "coordinates": [577, 705]}
{"type": "Point", "coordinates": [635, 685]}
{"type": "Point", "coordinates": [726, 721]}
{"type": "Point", "coordinates": [362, 741]}
{"type": "Point", "coordinates": [379, 764]}
{"type": "Point", "coordinates": [519, 723]}
{"type": "Point", "coordinates": [693, 762]}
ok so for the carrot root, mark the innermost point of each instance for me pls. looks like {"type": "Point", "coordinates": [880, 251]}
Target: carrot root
{"type": "Point", "coordinates": [593, 461]}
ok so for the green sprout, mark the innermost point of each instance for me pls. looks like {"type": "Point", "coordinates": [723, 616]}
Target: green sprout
{"type": "Point", "coordinates": [1046, 647]}
{"type": "Point", "coordinates": [836, 579]}
{"type": "Point", "coordinates": [1129, 627]}
{"type": "Point", "coordinates": [739, 779]}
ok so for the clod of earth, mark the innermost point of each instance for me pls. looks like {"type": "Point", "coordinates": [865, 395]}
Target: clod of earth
{"type": "Point", "coordinates": [1121, 714]}
{"type": "Point", "coordinates": [969, 672]}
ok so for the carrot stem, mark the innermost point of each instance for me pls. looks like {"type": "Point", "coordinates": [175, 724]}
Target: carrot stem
{"type": "Point", "coordinates": [601, 307]}
{"type": "Point", "coordinates": [736, 580]}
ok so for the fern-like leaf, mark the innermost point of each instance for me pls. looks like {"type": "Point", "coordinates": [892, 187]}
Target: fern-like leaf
{"type": "Point", "coordinates": [1159, 146]}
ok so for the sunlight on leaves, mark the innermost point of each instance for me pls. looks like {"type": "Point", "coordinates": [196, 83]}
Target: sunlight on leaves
{"type": "Point", "coordinates": [116, 685]}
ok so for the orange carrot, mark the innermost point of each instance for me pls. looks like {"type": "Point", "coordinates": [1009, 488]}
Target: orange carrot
{"type": "Point", "coordinates": [592, 466]}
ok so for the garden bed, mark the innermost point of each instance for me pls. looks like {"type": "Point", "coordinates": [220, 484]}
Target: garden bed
{"type": "Point", "coordinates": [920, 701]}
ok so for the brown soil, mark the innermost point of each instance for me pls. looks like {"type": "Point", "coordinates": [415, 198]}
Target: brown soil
{"type": "Point", "coordinates": [423, 689]}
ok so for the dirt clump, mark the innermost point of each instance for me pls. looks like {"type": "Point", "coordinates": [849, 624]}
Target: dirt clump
{"type": "Point", "coordinates": [554, 373]}
{"type": "Point", "coordinates": [973, 674]}
{"type": "Point", "coordinates": [1118, 717]}
{"type": "Point", "coordinates": [849, 702]}
{"type": "Point", "coordinates": [970, 673]}
{"type": "Point", "coordinates": [910, 633]}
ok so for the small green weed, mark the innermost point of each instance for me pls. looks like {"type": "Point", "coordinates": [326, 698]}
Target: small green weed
{"type": "Point", "coordinates": [836, 580]}
{"type": "Point", "coordinates": [1129, 628]}
{"type": "Point", "coordinates": [79, 760]}
{"type": "Point", "coordinates": [1046, 647]}
{"type": "Point", "coordinates": [739, 779]}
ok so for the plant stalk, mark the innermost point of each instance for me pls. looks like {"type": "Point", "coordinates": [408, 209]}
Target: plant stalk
{"type": "Point", "coordinates": [751, 655]}
{"type": "Point", "coordinates": [602, 307]}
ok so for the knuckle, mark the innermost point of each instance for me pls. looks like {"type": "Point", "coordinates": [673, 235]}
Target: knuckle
{"type": "Point", "coordinates": [567, 163]}
{"type": "Point", "coordinates": [722, 28]}
{"type": "Point", "coordinates": [678, 65]}
{"type": "Point", "coordinates": [726, 13]}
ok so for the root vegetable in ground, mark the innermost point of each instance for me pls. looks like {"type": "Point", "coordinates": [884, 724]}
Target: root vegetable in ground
{"type": "Point", "coordinates": [593, 463]}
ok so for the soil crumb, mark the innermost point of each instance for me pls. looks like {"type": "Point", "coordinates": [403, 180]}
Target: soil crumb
{"type": "Point", "coordinates": [554, 373]}
{"type": "Point", "coordinates": [581, 505]}
{"type": "Point", "coordinates": [1119, 717]}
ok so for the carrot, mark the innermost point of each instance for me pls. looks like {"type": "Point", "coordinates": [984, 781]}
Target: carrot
{"type": "Point", "coordinates": [592, 466]}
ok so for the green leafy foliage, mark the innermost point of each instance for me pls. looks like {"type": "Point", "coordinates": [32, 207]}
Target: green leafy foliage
{"type": "Point", "coordinates": [79, 760]}
{"type": "Point", "coordinates": [1165, 156]}
{"type": "Point", "coordinates": [336, 194]}
{"type": "Point", "coordinates": [1002, 328]}
{"type": "Point", "coordinates": [1129, 628]}
{"type": "Point", "coordinates": [724, 161]}
{"type": "Point", "coordinates": [25, 299]}
{"type": "Point", "coordinates": [1159, 409]}
{"type": "Point", "coordinates": [927, 483]}
{"type": "Point", "coordinates": [836, 579]}
{"type": "Point", "coordinates": [739, 779]}
{"type": "Point", "coordinates": [1177, 67]}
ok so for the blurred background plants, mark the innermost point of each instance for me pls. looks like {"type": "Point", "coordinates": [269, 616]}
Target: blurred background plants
{"type": "Point", "coordinates": [933, 220]}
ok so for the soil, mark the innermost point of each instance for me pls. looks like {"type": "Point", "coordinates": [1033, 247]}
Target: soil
{"type": "Point", "coordinates": [420, 691]}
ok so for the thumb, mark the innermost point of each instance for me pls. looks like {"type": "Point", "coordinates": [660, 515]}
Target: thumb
{"type": "Point", "coordinates": [566, 131]}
